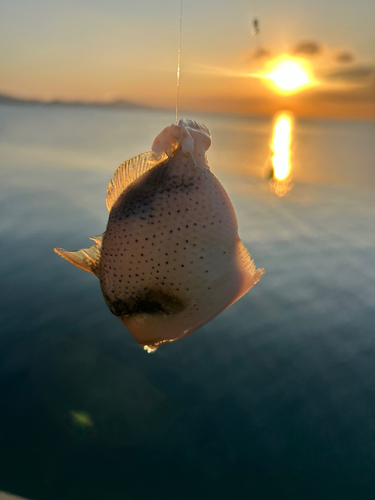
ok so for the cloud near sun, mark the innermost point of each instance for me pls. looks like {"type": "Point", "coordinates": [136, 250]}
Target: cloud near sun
{"type": "Point", "coordinates": [307, 64]}
{"type": "Point", "coordinates": [309, 79]}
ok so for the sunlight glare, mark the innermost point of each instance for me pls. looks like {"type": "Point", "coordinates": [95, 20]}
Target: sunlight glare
{"type": "Point", "coordinates": [289, 75]}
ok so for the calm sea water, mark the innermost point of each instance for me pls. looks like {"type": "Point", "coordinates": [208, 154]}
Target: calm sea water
{"type": "Point", "coordinates": [274, 399]}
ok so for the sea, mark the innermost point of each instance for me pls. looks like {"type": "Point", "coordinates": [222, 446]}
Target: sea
{"type": "Point", "coordinates": [273, 399]}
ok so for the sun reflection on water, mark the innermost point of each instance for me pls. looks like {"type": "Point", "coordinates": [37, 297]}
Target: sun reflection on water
{"type": "Point", "coordinates": [281, 177]}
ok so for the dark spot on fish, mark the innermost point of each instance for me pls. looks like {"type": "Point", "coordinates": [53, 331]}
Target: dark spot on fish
{"type": "Point", "coordinates": [148, 301]}
{"type": "Point", "coordinates": [141, 193]}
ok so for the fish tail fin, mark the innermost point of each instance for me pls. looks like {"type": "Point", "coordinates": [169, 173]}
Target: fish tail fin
{"type": "Point", "coordinates": [87, 258]}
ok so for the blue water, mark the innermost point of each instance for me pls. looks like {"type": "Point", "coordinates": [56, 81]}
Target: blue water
{"type": "Point", "coordinates": [274, 399]}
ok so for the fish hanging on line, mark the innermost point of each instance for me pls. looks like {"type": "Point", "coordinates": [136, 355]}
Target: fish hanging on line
{"type": "Point", "coordinates": [170, 259]}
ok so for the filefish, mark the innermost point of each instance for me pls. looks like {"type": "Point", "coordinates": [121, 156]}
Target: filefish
{"type": "Point", "coordinates": [170, 259]}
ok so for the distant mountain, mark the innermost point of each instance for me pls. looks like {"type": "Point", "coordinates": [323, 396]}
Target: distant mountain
{"type": "Point", "coordinates": [7, 99]}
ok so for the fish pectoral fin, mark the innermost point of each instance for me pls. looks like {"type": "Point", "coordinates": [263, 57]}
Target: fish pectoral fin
{"type": "Point", "coordinates": [253, 273]}
{"type": "Point", "coordinates": [128, 172]}
{"type": "Point", "coordinates": [87, 258]}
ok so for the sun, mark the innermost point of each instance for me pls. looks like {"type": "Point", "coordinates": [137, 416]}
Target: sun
{"type": "Point", "coordinates": [289, 75]}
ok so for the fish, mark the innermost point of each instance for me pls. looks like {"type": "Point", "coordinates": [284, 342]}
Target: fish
{"type": "Point", "coordinates": [170, 259]}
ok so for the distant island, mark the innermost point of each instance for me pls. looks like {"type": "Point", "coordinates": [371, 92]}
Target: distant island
{"type": "Point", "coordinates": [11, 100]}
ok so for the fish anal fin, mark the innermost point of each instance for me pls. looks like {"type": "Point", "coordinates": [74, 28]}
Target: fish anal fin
{"type": "Point", "coordinates": [87, 258]}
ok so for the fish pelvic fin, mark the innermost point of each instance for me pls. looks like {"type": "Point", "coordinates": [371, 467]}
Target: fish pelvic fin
{"type": "Point", "coordinates": [128, 172]}
{"type": "Point", "coordinates": [87, 258]}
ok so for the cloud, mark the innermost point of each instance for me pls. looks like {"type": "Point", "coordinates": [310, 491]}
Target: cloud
{"type": "Point", "coordinates": [251, 58]}
{"type": "Point", "coordinates": [261, 53]}
{"type": "Point", "coordinates": [307, 48]}
{"type": "Point", "coordinates": [345, 57]}
{"type": "Point", "coordinates": [354, 74]}
{"type": "Point", "coordinates": [357, 94]}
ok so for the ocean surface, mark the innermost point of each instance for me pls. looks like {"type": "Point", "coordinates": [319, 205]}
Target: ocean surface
{"type": "Point", "coordinates": [273, 399]}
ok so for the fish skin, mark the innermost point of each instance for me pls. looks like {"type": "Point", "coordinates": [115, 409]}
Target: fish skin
{"type": "Point", "coordinates": [171, 258]}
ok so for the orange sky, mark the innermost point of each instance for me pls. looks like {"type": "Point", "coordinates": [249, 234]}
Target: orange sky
{"type": "Point", "coordinates": [121, 50]}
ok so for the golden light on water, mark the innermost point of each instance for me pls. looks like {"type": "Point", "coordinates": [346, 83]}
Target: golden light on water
{"type": "Point", "coordinates": [281, 181]}
{"type": "Point", "coordinates": [289, 75]}
{"type": "Point", "coordinates": [281, 146]}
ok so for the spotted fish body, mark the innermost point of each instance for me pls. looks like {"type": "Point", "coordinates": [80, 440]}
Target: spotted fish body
{"type": "Point", "coordinates": [170, 259]}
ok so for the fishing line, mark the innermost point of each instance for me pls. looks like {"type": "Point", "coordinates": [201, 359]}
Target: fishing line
{"type": "Point", "coordinates": [178, 64]}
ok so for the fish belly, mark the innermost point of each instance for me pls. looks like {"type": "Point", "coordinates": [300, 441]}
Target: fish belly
{"type": "Point", "coordinates": [171, 257]}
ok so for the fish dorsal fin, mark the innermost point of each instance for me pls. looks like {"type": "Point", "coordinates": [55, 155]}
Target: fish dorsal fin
{"type": "Point", "coordinates": [128, 172]}
{"type": "Point", "coordinates": [87, 258]}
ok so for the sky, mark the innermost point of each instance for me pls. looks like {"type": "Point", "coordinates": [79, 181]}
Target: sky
{"type": "Point", "coordinates": [112, 49]}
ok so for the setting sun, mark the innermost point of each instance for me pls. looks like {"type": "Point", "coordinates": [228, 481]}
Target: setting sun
{"type": "Point", "coordinates": [289, 75]}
